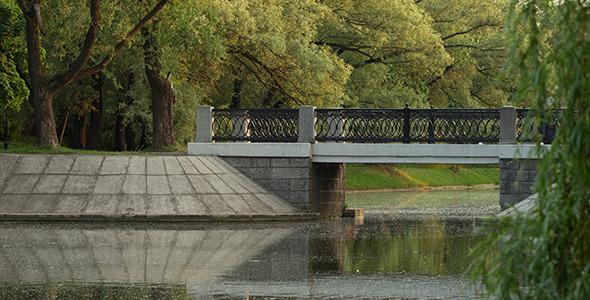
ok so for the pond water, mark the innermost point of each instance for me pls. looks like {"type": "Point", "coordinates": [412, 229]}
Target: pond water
{"type": "Point", "coordinates": [382, 256]}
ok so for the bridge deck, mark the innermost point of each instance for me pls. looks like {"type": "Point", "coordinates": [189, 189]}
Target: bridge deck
{"type": "Point", "coordinates": [368, 153]}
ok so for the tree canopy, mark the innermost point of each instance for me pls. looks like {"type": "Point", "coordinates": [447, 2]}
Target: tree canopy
{"type": "Point", "coordinates": [247, 54]}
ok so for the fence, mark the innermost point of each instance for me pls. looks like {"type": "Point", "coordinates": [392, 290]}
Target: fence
{"type": "Point", "coordinates": [366, 125]}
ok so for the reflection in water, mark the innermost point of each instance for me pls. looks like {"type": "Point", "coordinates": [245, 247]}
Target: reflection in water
{"type": "Point", "coordinates": [134, 256]}
{"type": "Point", "coordinates": [423, 247]}
{"type": "Point", "coordinates": [383, 258]}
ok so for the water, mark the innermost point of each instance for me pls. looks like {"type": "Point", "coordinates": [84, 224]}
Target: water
{"type": "Point", "coordinates": [382, 256]}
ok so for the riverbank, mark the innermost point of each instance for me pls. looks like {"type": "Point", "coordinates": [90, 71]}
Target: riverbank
{"type": "Point", "coordinates": [461, 204]}
{"type": "Point", "coordinates": [389, 176]}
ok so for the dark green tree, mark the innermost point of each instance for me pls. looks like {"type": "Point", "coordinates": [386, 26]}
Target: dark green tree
{"type": "Point", "coordinates": [45, 83]}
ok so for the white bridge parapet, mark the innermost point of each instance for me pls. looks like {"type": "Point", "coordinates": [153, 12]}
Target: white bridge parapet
{"type": "Point", "coordinates": [370, 153]}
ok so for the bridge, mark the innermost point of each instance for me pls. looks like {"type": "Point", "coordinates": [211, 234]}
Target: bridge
{"type": "Point", "coordinates": [299, 154]}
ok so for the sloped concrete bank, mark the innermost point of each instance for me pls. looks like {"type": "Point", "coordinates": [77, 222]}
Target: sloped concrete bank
{"type": "Point", "coordinates": [133, 188]}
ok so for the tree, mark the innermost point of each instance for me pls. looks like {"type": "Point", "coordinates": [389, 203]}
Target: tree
{"type": "Point", "coordinates": [472, 33]}
{"type": "Point", "coordinates": [13, 89]}
{"type": "Point", "coordinates": [163, 94]}
{"type": "Point", "coordinates": [42, 87]}
{"type": "Point", "coordinates": [269, 58]}
{"type": "Point", "coordinates": [390, 44]}
{"type": "Point", "coordinates": [546, 255]}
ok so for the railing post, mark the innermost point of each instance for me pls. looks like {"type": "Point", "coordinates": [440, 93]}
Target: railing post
{"type": "Point", "coordinates": [508, 125]}
{"type": "Point", "coordinates": [204, 124]}
{"type": "Point", "coordinates": [431, 125]}
{"type": "Point", "coordinates": [306, 124]}
{"type": "Point", "coordinates": [407, 124]}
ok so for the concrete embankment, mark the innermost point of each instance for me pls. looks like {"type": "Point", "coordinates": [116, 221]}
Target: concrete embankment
{"type": "Point", "coordinates": [132, 188]}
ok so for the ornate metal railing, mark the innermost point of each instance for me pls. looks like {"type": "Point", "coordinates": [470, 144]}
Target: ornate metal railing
{"type": "Point", "coordinates": [255, 125]}
{"type": "Point", "coordinates": [373, 125]}
{"type": "Point", "coordinates": [408, 125]}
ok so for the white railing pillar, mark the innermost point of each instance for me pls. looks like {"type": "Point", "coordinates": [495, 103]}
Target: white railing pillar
{"type": "Point", "coordinates": [204, 124]}
{"type": "Point", "coordinates": [306, 124]}
{"type": "Point", "coordinates": [507, 125]}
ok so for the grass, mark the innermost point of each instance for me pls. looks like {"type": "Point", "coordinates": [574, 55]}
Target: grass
{"type": "Point", "coordinates": [378, 176]}
{"type": "Point", "coordinates": [28, 148]}
{"type": "Point", "coordinates": [419, 200]}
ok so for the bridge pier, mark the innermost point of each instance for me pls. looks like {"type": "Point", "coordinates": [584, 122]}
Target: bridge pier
{"type": "Point", "coordinates": [319, 187]}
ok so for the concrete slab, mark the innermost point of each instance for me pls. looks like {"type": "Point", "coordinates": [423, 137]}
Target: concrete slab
{"type": "Point", "coordinates": [214, 164]}
{"type": "Point", "coordinates": [7, 165]}
{"type": "Point", "coordinates": [114, 165]}
{"type": "Point", "coordinates": [50, 184]}
{"type": "Point", "coordinates": [158, 185]}
{"type": "Point", "coordinates": [134, 184]}
{"type": "Point", "coordinates": [79, 187]}
{"type": "Point", "coordinates": [87, 165]}
{"type": "Point", "coordinates": [218, 184]}
{"type": "Point", "coordinates": [39, 204]}
{"type": "Point", "coordinates": [79, 184]}
{"type": "Point", "coordinates": [12, 203]}
{"type": "Point", "coordinates": [237, 203]}
{"type": "Point", "coordinates": [256, 204]}
{"type": "Point", "coordinates": [31, 164]}
{"type": "Point", "coordinates": [216, 205]}
{"type": "Point", "coordinates": [137, 165]}
{"type": "Point", "coordinates": [271, 201]}
{"type": "Point", "coordinates": [132, 204]}
{"type": "Point", "coordinates": [201, 185]}
{"type": "Point", "coordinates": [60, 164]}
{"type": "Point", "coordinates": [21, 184]}
{"type": "Point", "coordinates": [230, 180]}
{"type": "Point", "coordinates": [201, 167]}
{"type": "Point", "coordinates": [179, 184]}
{"type": "Point", "coordinates": [161, 205]}
{"type": "Point", "coordinates": [110, 184]}
{"type": "Point", "coordinates": [102, 205]}
{"type": "Point", "coordinates": [172, 166]}
{"type": "Point", "coordinates": [187, 166]}
{"type": "Point", "coordinates": [155, 165]}
{"type": "Point", "coordinates": [191, 205]}
{"type": "Point", "coordinates": [71, 204]}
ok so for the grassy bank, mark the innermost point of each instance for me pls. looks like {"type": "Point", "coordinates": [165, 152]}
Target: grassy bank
{"type": "Point", "coordinates": [380, 176]}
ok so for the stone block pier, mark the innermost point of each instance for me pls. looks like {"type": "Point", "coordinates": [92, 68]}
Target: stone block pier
{"type": "Point", "coordinates": [133, 188]}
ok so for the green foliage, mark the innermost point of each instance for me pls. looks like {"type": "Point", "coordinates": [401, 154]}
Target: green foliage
{"type": "Point", "coordinates": [472, 34]}
{"type": "Point", "coordinates": [13, 90]}
{"type": "Point", "coordinates": [546, 254]}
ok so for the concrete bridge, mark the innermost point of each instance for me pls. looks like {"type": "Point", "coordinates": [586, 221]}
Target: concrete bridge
{"type": "Point", "coordinates": [299, 155]}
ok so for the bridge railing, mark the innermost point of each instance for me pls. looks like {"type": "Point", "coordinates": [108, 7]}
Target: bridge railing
{"type": "Point", "coordinates": [408, 125]}
{"type": "Point", "coordinates": [308, 124]}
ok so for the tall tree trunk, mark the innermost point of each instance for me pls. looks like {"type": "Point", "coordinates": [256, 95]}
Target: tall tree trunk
{"type": "Point", "coordinates": [41, 90]}
{"type": "Point", "coordinates": [40, 97]}
{"type": "Point", "coordinates": [93, 140]}
{"type": "Point", "coordinates": [44, 118]}
{"type": "Point", "coordinates": [163, 95]}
